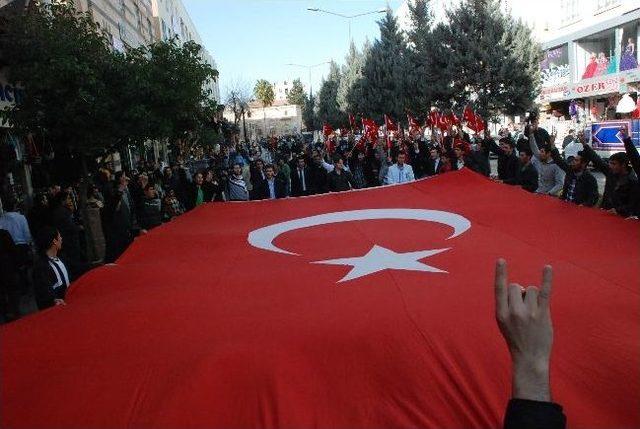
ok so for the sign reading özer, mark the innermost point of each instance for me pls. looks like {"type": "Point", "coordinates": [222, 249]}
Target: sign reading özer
{"type": "Point", "coordinates": [607, 85]}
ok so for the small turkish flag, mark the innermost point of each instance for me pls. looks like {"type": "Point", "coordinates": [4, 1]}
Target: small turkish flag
{"type": "Point", "coordinates": [327, 130]}
{"type": "Point", "coordinates": [390, 124]}
{"type": "Point", "coordinates": [352, 122]}
{"type": "Point", "coordinates": [434, 118]}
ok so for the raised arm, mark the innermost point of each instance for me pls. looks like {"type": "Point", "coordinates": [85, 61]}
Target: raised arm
{"type": "Point", "coordinates": [533, 144]}
{"type": "Point", "coordinates": [493, 147]}
{"type": "Point", "coordinates": [598, 163]}
{"type": "Point", "coordinates": [632, 153]}
{"type": "Point", "coordinates": [524, 319]}
{"type": "Point", "coordinates": [559, 160]}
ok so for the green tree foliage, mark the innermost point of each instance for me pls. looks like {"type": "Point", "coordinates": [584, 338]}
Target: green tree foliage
{"type": "Point", "coordinates": [63, 61]}
{"type": "Point", "coordinates": [297, 95]}
{"type": "Point", "coordinates": [264, 92]}
{"type": "Point", "coordinates": [348, 91]}
{"type": "Point", "coordinates": [421, 75]}
{"type": "Point", "coordinates": [308, 113]}
{"type": "Point", "coordinates": [383, 87]}
{"type": "Point", "coordinates": [178, 102]}
{"type": "Point", "coordinates": [327, 109]}
{"type": "Point", "coordinates": [83, 97]}
{"type": "Point", "coordinates": [487, 56]}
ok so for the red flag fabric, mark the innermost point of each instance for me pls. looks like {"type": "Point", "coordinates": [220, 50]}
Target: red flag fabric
{"type": "Point", "coordinates": [444, 122]}
{"type": "Point", "coordinates": [479, 124]}
{"type": "Point", "coordinates": [414, 126]}
{"type": "Point", "coordinates": [453, 118]}
{"type": "Point", "coordinates": [248, 315]}
{"type": "Point", "coordinates": [390, 124]}
{"type": "Point", "coordinates": [370, 129]}
{"type": "Point", "coordinates": [636, 113]}
{"type": "Point", "coordinates": [330, 146]}
{"type": "Point", "coordinates": [327, 130]}
{"type": "Point", "coordinates": [434, 118]}
{"type": "Point", "coordinates": [352, 122]}
{"type": "Point", "coordinates": [468, 115]}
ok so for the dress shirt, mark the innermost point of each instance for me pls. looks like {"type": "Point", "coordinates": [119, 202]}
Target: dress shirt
{"type": "Point", "coordinates": [62, 276]}
{"type": "Point", "coordinates": [17, 226]}
{"type": "Point", "coordinates": [272, 188]}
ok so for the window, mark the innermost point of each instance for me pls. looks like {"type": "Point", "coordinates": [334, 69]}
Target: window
{"type": "Point", "coordinates": [570, 10]}
{"type": "Point", "coordinates": [603, 5]}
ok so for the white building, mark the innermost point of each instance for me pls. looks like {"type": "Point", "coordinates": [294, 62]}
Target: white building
{"type": "Point", "coordinates": [279, 119]}
{"type": "Point", "coordinates": [172, 20]}
{"type": "Point", "coordinates": [281, 89]}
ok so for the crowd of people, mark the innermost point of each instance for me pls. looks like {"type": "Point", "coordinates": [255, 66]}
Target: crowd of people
{"type": "Point", "coordinates": [125, 204]}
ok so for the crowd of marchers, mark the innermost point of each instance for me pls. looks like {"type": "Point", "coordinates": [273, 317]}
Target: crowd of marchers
{"type": "Point", "coordinates": [53, 243]}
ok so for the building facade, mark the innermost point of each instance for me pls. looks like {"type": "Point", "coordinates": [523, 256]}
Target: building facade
{"type": "Point", "coordinates": [281, 90]}
{"type": "Point", "coordinates": [171, 19]}
{"type": "Point", "coordinates": [279, 119]}
{"type": "Point", "coordinates": [591, 58]}
{"type": "Point", "coordinates": [126, 22]}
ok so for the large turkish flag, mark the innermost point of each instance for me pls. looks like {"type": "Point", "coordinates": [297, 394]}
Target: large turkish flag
{"type": "Point", "coordinates": [369, 309]}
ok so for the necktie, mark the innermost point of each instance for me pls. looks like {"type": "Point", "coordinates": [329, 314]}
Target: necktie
{"type": "Point", "coordinates": [304, 185]}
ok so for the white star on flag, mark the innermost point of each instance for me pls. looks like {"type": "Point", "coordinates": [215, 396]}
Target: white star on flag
{"type": "Point", "coordinates": [380, 259]}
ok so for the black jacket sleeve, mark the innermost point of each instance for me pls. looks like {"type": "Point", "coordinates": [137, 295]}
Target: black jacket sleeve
{"type": "Point", "coordinates": [598, 162]}
{"type": "Point", "coordinates": [525, 414]}
{"type": "Point", "coordinates": [559, 160]}
{"type": "Point", "coordinates": [42, 283]}
{"type": "Point", "coordinates": [493, 147]}
{"type": "Point", "coordinates": [591, 191]}
{"type": "Point", "coordinates": [634, 156]}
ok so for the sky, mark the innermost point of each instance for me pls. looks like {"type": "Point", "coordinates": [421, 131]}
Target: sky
{"type": "Point", "coordinates": [255, 39]}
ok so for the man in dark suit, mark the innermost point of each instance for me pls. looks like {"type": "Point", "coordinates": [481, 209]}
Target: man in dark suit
{"type": "Point", "coordinates": [432, 164]}
{"type": "Point", "coordinates": [50, 275]}
{"type": "Point", "coordinates": [527, 175]}
{"type": "Point", "coordinates": [271, 187]}
{"type": "Point", "coordinates": [301, 180]}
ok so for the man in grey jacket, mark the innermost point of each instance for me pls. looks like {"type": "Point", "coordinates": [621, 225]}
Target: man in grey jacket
{"type": "Point", "coordinates": [550, 175]}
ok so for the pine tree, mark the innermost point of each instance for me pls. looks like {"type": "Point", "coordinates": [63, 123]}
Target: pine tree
{"type": "Point", "coordinates": [384, 84]}
{"type": "Point", "coordinates": [297, 95]}
{"type": "Point", "coordinates": [328, 109]}
{"type": "Point", "coordinates": [308, 113]}
{"type": "Point", "coordinates": [351, 72]}
{"type": "Point", "coordinates": [491, 57]}
{"type": "Point", "coordinates": [420, 39]}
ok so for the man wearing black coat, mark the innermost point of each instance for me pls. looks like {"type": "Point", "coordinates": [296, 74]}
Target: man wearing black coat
{"type": "Point", "coordinates": [271, 187]}
{"type": "Point", "coordinates": [580, 187]}
{"type": "Point", "coordinates": [339, 179]}
{"type": "Point", "coordinates": [432, 164]}
{"type": "Point", "coordinates": [526, 175]}
{"type": "Point", "coordinates": [199, 192]}
{"type": "Point", "coordinates": [50, 276]}
{"type": "Point", "coordinates": [301, 180]}
{"type": "Point", "coordinates": [621, 190]}
{"type": "Point", "coordinates": [508, 163]}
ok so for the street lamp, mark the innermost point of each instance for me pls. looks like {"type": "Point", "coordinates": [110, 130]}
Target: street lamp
{"type": "Point", "coordinates": [309, 69]}
{"type": "Point", "coordinates": [347, 17]}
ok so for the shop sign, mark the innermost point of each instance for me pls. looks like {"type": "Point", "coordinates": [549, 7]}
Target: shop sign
{"type": "Point", "coordinates": [556, 92]}
{"type": "Point", "coordinates": [598, 87]}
